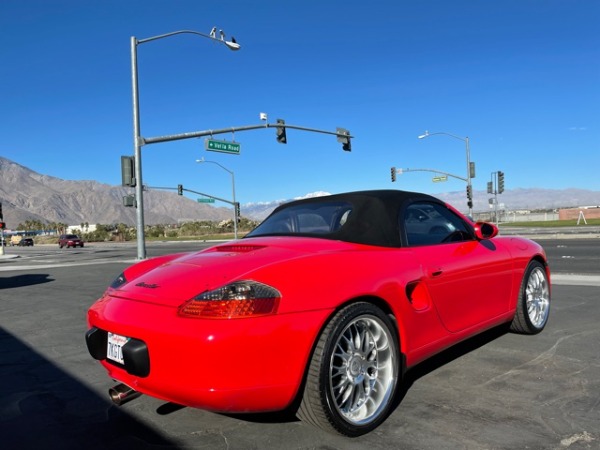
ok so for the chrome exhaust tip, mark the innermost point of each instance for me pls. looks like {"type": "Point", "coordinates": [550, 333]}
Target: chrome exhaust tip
{"type": "Point", "coordinates": [121, 394]}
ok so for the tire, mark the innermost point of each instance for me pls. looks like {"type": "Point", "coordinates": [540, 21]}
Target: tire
{"type": "Point", "coordinates": [353, 372]}
{"type": "Point", "coordinates": [533, 304]}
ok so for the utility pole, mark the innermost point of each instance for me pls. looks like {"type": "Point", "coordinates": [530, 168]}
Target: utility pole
{"type": "Point", "coordinates": [2, 225]}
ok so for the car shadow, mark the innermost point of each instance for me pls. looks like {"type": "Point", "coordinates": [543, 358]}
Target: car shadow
{"type": "Point", "coordinates": [285, 416]}
{"type": "Point", "coordinates": [24, 280]}
{"type": "Point", "coordinates": [43, 406]}
{"type": "Point", "coordinates": [445, 357]}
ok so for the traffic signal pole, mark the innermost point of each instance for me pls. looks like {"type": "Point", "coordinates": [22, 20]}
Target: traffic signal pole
{"type": "Point", "coordinates": [2, 225]}
{"type": "Point", "coordinates": [340, 133]}
{"type": "Point", "coordinates": [400, 171]}
{"type": "Point", "coordinates": [395, 171]}
{"type": "Point", "coordinates": [343, 136]}
{"type": "Point", "coordinates": [236, 205]}
{"type": "Point", "coordinates": [495, 187]}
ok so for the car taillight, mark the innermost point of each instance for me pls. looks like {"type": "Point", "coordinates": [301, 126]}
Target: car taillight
{"type": "Point", "coordinates": [233, 301]}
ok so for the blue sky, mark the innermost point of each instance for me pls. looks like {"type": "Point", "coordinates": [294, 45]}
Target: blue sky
{"type": "Point", "coordinates": [520, 78]}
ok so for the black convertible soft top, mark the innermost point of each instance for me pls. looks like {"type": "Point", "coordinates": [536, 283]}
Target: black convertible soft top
{"type": "Point", "coordinates": [373, 219]}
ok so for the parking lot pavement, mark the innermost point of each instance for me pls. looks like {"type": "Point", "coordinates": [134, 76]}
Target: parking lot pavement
{"type": "Point", "coordinates": [497, 391]}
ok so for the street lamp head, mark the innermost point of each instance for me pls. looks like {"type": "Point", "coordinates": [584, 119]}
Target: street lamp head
{"type": "Point", "coordinates": [232, 45]}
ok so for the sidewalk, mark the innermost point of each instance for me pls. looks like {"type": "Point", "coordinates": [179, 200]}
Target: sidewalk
{"type": "Point", "coordinates": [587, 232]}
{"type": "Point", "coordinates": [8, 257]}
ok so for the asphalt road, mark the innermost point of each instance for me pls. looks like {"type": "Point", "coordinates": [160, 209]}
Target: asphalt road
{"type": "Point", "coordinates": [573, 256]}
{"type": "Point", "coordinates": [497, 391]}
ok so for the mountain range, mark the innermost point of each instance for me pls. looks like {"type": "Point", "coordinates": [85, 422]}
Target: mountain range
{"type": "Point", "coordinates": [514, 199]}
{"type": "Point", "coordinates": [28, 195]}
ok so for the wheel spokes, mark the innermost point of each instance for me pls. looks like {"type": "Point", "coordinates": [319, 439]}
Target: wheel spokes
{"type": "Point", "coordinates": [537, 297]}
{"type": "Point", "coordinates": [362, 370]}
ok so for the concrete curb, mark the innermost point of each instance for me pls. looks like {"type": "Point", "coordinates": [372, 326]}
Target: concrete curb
{"type": "Point", "coordinates": [8, 257]}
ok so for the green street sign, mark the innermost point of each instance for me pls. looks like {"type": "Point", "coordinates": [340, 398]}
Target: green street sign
{"type": "Point", "coordinates": [206, 200]}
{"type": "Point", "coordinates": [440, 178]}
{"type": "Point", "coordinates": [222, 146]}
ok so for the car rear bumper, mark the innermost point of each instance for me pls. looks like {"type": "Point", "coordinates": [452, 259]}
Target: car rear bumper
{"type": "Point", "coordinates": [135, 352]}
{"type": "Point", "coordinates": [242, 365]}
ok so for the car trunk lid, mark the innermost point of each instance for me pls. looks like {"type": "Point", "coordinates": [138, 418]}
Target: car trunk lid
{"type": "Point", "coordinates": [191, 274]}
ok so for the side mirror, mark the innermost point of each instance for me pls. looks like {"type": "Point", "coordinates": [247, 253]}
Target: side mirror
{"type": "Point", "coordinates": [485, 230]}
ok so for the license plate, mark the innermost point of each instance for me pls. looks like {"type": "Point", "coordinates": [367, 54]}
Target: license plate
{"type": "Point", "coordinates": [114, 350]}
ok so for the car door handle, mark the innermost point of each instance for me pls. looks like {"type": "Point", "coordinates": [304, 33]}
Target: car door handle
{"type": "Point", "coordinates": [435, 272]}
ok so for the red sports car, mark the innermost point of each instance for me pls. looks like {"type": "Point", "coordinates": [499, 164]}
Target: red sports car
{"type": "Point", "coordinates": [322, 307]}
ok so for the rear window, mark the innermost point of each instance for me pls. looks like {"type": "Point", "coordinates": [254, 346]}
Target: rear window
{"type": "Point", "coordinates": [317, 219]}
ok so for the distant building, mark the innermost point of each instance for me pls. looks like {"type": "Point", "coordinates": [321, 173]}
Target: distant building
{"type": "Point", "coordinates": [589, 212]}
{"type": "Point", "coordinates": [74, 229]}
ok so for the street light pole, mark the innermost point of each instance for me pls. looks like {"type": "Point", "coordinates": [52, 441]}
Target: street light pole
{"type": "Point", "coordinates": [137, 154]}
{"type": "Point", "coordinates": [468, 150]}
{"type": "Point", "coordinates": [138, 141]}
{"type": "Point", "coordinates": [235, 213]}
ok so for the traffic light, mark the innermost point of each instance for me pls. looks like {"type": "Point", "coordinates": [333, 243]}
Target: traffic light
{"type": "Point", "coordinates": [281, 136]}
{"type": "Point", "coordinates": [238, 213]}
{"type": "Point", "coordinates": [490, 187]}
{"type": "Point", "coordinates": [500, 182]}
{"type": "Point", "coordinates": [1, 215]}
{"type": "Point", "coordinates": [471, 170]}
{"type": "Point", "coordinates": [469, 192]}
{"type": "Point", "coordinates": [393, 170]}
{"type": "Point", "coordinates": [127, 171]}
{"type": "Point", "coordinates": [343, 136]}
{"type": "Point", "coordinates": [2, 225]}
{"type": "Point", "coordinates": [180, 189]}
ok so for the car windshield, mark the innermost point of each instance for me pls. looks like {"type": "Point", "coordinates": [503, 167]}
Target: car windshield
{"type": "Point", "coordinates": [71, 236]}
{"type": "Point", "coordinates": [321, 219]}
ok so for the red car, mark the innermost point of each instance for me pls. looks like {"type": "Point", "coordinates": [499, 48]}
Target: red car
{"type": "Point", "coordinates": [69, 240]}
{"type": "Point", "coordinates": [324, 305]}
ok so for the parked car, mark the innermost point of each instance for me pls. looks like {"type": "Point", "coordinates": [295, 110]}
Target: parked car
{"type": "Point", "coordinates": [322, 308]}
{"type": "Point", "coordinates": [17, 239]}
{"type": "Point", "coordinates": [26, 242]}
{"type": "Point", "coordinates": [69, 240]}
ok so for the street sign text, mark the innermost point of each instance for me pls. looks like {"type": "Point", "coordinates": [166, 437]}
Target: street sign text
{"type": "Point", "coordinates": [215, 145]}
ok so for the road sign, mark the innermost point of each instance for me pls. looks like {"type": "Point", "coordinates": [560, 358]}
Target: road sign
{"type": "Point", "coordinates": [222, 146]}
{"type": "Point", "coordinates": [129, 200]}
{"type": "Point", "coordinates": [440, 178]}
{"type": "Point", "coordinates": [206, 200]}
